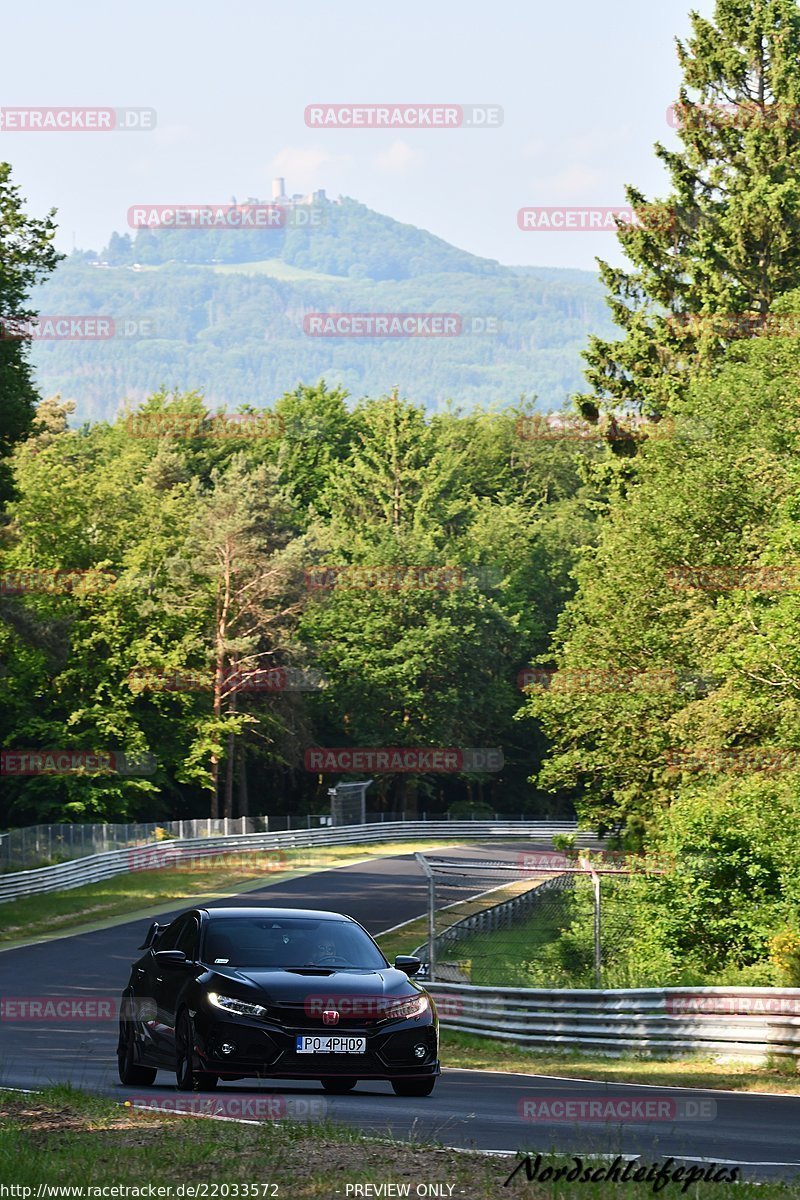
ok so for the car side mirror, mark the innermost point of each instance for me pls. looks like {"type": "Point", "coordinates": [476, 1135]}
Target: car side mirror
{"type": "Point", "coordinates": [407, 963]}
{"type": "Point", "coordinates": [173, 960]}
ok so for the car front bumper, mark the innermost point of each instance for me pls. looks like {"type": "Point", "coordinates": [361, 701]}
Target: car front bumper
{"type": "Point", "coordinates": [261, 1049]}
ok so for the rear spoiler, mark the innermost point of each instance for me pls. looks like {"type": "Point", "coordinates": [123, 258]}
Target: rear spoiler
{"type": "Point", "coordinates": [153, 934]}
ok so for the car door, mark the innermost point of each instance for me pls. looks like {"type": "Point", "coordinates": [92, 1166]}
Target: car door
{"type": "Point", "coordinates": [172, 981]}
{"type": "Point", "coordinates": [161, 982]}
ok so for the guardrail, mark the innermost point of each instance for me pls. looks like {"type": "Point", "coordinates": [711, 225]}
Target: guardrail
{"type": "Point", "coordinates": [96, 867]}
{"type": "Point", "coordinates": [751, 1023]}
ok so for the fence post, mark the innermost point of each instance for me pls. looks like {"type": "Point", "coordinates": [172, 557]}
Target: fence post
{"type": "Point", "coordinates": [598, 960]}
{"type": "Point", "coordinates": [431, 916]}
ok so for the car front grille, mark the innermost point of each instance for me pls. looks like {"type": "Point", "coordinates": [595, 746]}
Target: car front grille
{"type": "Point", "coordinates": [303, 1019]}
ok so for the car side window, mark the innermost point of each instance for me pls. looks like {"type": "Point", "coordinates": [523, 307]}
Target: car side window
{"type": "Point", "coordinates": [187, 938]}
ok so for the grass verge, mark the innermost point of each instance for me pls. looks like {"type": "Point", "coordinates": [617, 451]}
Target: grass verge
{"type": "Point", "coordinates": [413, 933]}
{"type": "Point", "coordinates": [64, 1138]}
{"type": "Point", "coordinates": [513, 957]}
{"type": "Point", "coordinates": [491, 1054]}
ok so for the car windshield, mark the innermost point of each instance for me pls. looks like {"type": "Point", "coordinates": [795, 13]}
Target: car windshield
{"type": "Point", "coordinates": [289, 942]}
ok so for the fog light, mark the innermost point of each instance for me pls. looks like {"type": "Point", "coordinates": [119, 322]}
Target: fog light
{"type": "Point", "coordinates": [227, 1048]}
{"type": "Point", "coordinates": [420, 1051]}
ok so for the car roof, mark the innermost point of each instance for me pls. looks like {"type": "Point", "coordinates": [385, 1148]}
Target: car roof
{"type": "Point", "coordinates": [256, 910]}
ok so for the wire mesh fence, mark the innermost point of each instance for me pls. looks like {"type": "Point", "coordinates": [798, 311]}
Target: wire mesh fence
{"type": "Point", "coordinates": [41, 845]}
{"type": "Point", "coordinates": [562, 923]}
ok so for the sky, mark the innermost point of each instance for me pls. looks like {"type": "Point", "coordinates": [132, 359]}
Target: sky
{"type": "Point", "coordinates": [584, 90]}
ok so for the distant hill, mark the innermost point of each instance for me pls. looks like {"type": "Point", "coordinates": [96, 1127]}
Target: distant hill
{"type": "Point", "coordinates": [223, 311]}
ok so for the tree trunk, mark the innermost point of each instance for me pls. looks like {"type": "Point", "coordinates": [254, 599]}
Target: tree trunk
{"type": "Point", "coordinates": [230, 767]}
{"type": "Point", "coordinates": [213, 811]}
{"type": "Point", "coordinates": [400, 793]}
{"type": "Point", "coordinates": [223, 608]}
{"type": "Point", "coordinates": [244, 800]}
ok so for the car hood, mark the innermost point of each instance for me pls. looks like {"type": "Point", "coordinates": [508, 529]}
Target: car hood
{"type": "Point", "coordinates": [290, 985]}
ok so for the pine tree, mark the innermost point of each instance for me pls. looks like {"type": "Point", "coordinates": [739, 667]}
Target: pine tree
{"type": "Point", "coordinates": [710, 259]}
{"type": "Point", "coordinates": [26, 256]}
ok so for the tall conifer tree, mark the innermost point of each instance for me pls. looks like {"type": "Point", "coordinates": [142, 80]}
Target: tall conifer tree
{"type": "Point", "coordinates": [726, 240]}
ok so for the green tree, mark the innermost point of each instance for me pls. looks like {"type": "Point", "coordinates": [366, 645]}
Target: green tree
{"type": "Point", "coordinates": [26, 256]}
{"type": "Point", "coordinates": [713, 666]}
{"type": "Point", "coordinates": [317, 433]}
{"type": "Point", "coordinates": [240, 553]}
{"type": "Point", "coordinates": [725, 240]}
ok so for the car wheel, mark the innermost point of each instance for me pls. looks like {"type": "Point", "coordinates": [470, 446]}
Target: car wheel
{"type": "Point", "coordinates": [339, 1086]}
{"type": "Point", "coordinates": [188, 1079]}
{"type": "Point", "coordinates": [130, 1073]}
{"type": "Point", "coordinates": [413, 1087]}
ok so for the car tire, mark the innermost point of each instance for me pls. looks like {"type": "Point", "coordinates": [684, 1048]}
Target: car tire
{"type": "Point", "coordinates": [130, 1072]}
{"type": "Point", "coordinates": [413, 1087]}
{"type": "Point", "coordinates": [187, 1078]}
{"type": "Point", "coordinates": [338, 1086]}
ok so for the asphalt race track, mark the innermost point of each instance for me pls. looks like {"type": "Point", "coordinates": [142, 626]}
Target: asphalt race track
{"type": "Point", "coordinates": [468, 1109]}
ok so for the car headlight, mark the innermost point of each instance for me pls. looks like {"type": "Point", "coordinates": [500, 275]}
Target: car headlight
{"type": "Point", "coordinates": [242, 1008]}
{"type": "Point", "coordinates": [414, 1006]}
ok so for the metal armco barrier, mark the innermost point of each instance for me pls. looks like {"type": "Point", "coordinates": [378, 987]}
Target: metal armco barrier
{"type": "Point", "coordinates": [735, 1023]}
{"type": "Point", "coordinates": [96, 867]}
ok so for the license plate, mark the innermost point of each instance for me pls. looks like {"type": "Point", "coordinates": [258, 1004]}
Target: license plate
{"type": "Point", "coordinates": [331, 1044]}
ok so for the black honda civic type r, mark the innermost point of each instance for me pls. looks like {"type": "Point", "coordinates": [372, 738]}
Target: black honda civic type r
{"type": "Point", "coordinates": [230, 993]}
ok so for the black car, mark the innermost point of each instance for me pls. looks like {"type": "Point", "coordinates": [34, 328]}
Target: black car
{"type": "Point", "coordinates": [227, 993]}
